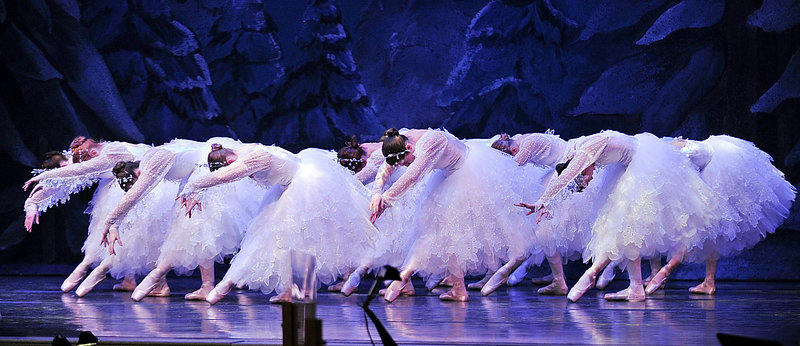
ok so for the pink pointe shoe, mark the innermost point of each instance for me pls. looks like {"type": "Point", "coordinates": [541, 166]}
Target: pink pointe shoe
{"type": "Point", "coordinates": [127, 285]}
{"type": "Point", "coordinates": [74, 278]}
{"type": "Point", "coordinates": [704, 288]}
{"type": "Point", "coordinates": [148, 284]}
{"type": "Point", "coordinates": [454, 296]}
{"type": "Point", "coordinates": [605, 278]}
{"type": "Point", "coordinates": [395, 289]}
{"type": "Point", "coordinates": [200, 294]}
{"type": "Point", "coordinates": [336, 288]}
{"type": "Point", "coordinates": [162, 290]}
{"type": "Point", "coordinates": [585, 283]}
{"type": "Point", "coordinates": [95, 277]}
{"type": "Point", "coordinates": [656, 282]}
{"type": "Point", "coordinates": [554, 289]}
{"type": "Point", "coordinates": [627, 294]}
{"type": "Point", "coordinates": [498, 279]}
{"type": "Point", "coordinates": [285, 297]}
{"type": "Point", "coordinates": [518, 275]}
{"type": "Point", "coordinates": [477, 286]}
{"type": "Point", "coordinates": [351, 285]}
{"type": "Point", "coordinates": [219, 292]}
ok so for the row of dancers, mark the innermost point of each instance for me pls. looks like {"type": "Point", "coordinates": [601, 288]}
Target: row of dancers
{"type": "Point", "coordinates": [420, 200]}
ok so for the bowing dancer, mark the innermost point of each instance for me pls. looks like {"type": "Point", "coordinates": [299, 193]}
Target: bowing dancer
{"type": "Point", "coordinates": [566, 233]}
{"type": "Point", "coordinates": [206, 236]}
{"type": "Point", "coordinates": [464, 224]}
{"type": "Point", "coordinates": [312, 207]}
{"type": "Point", "coordinates": [745, 179]}
{"type": "Point", "coordinates": [654, 202]}
{"type": "Point", "coordinates": [92, 162]}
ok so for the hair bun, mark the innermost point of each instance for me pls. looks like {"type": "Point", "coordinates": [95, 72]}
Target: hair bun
{"type": "Point", "coordinates": [504, 136]}
{"type": "Point", "coordinates": [119, 167]}
{"type": "Point", "coordinates": [392, 132]}
{"type": "Point", "coordinates": [77, 142]}
{"type": "Point", "coordinates": [353, 142]}
{"type": "Point", "coordinates": [216, 146]}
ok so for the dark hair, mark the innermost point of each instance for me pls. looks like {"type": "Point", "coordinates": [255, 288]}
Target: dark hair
{"type": "Point", "coordinates": [52, 159]}
{"type": "Point", "coordinates": [504, 143]}
{"type": "Point", "coordinates": [562, 166]}
{"type": "Point", "coordinates": [394, 146]}
{"type": "Point", "coordinates": [350, 155]}
{"type": "Point", "coordinates": [125, 172]}
{"type": "Point", "coordinates": [80, 148]}
{"type": "Point", "coordinates": [218, 157]}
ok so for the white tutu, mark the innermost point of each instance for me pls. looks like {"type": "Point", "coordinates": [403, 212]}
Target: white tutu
{"type": "Point", "coordinates": [142, 231]}
{"type": "Point", "coordinates": [105, 199]}
{"type": "Point", "coordinates": [746, 179]}
{"type": "Point", "coordinates": [323, 212]}
{"type": "Point", "coordinates": [214, 232]}
{"type": "Point", "coordinates": [468, 223]}
{"type": "Point", "coordinates": [657, 205]}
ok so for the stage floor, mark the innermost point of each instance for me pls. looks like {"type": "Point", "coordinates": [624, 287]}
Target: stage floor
{"type": "Point", "coordinates": [34, 310]}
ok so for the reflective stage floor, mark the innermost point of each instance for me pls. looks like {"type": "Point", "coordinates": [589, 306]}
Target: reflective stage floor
{"type": "Point", "coordinates": [34, 310]}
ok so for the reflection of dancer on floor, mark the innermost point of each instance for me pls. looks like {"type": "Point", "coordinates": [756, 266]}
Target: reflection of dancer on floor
{"type": "Point", "coordinates": [654, 201]}
{"type": "Point", "coordinates": [93, 161]}
{"type": "Point", "coordinates": [207, 235]}
{"type": "Point", "coordinates": [563, 235]}
{"type": "Point", "coordinates": [314, 210]}
{"type": "Point", "coordinates": [744, 177]}
{"type": "Point", "coordinates": [464, 226]}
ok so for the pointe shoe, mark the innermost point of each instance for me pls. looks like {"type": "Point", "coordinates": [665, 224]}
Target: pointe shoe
{"type": "Point", "coordinates": [200, 294]}
{"type": "Point", "coordinates": [518, 275]}
{"type": "Point", "coordinates": [605, 279]}
{"type": "Point", "coordinates": [703, 288]}
{"type": "Point", "coordinates": [148, 284]}
{"type": "Point", "coordinates": [453, 296]}
{"type": "Point", "coordinates": [430, 284]}
{"type": "Point", "coordinates": [94, 278]}
{"type": "Point", "coordinates": [657, 282]}
{"type": "Point", "coordinates": [395, 289]}
{"type": "Point", "coordinates": [543, 280]}
{"type": "Point", "coordinates": [351, 285]}
{"type": "Point", "coordinates": [127, 285]}
{"type": "Point", "coordinates": [162, 290]}
{"type": "Point", "coordinates": [74, 278]}
{"type": "Point", "coordinates": [585, 283]}
{"type": "Point", "coordinates": [477, 286]}
{"type": "Point", "coordinates": [553, 289]}
{"type": "Point", "coordinates": [216, 295]}
{"type": "Point", "coordinates": [285, 297]}
{"type": "Point", "coordinates": [336, 288]}
{"type": "Point", "coordinates": [626, 295]}
{"type": "Point", "coordinates": [497, 280]}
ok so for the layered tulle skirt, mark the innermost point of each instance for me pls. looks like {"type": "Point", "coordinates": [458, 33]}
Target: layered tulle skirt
{"type": "Point", "coordinates": [468, 222]}
{"type": "Point", "coordinates": [323, 213]}
{"type": "Point", "coordinates": [655, 205]}
{"type": "Point", "coordinates": [214, 232]}
{"type": "Point", "coordinates": [744, 178]}
{"type": "Point", "coordinates": [142, 231]}
{"type": "Point", "coordinates": [105, 199]}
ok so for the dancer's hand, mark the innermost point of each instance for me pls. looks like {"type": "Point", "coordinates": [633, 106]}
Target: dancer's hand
{"type": "Point", "coordinates": [30, 182]}
{"type": "Point", "coordinates": [543, 211]}
{"type": "Point", "coordinates": [189, 203]}
{"type": "Point", "coordinates": [538, 208]}
{"type": "Point", "coordinates": [31, 218]}
{"type": "Point", "coordinates": [532, 207]}
{"type": "Point", "coordinates": [377, 206]}
{"type": "Point", "coordinates": [110, 237]}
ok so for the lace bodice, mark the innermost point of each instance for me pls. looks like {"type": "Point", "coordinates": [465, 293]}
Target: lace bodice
{"type": "Point", "coordinates": [267, 165]}
{"type": "Point", "coordinates": [604, 148]}
{"type": "Point", "coordinates": [435, 149]}
{"type": "Point", "coordinates": [541, 149]}
{"type": "Point", "coordinates": [698, 152]}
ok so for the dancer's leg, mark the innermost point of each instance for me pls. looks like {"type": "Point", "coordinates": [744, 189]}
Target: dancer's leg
{"type": "Point", "coordinates": [635, 291]}
{"type": "Point", "coordinates": [501, 276]}
{"type": "Point", "coordinates": [605, 278]}
{"type": "Point", "coordinates": [353, 280]}
{"type": "Point", "coordinates": [661, 276]}
{"type": "Point", "coordinates": [655, 267]}
{"type": "Point", "coordinates": [207, 279]}
{"type": "Point", "coordinates": [477, 286]}
{"type": "Point", "coordinates": [588, 279]}
{"type": "Point", "coordinates": [559, 285]}
{"type": "Point", "coordinates": [708, 286]}
{"type": "Point", "coordinates": [519, 274]}
{"type": "Point", "coordinates": [459, 291]}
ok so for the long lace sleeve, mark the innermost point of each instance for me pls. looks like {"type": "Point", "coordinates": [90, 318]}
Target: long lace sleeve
{"type": "Point", "coordinates": [370, 170]}
{"type": "Point", "coordinates": [36, 201]}
{"type": "Point", "coordinates": [532, 147]}
{"type": "Point", "coordinates": [384, 172]}
{"type": "Point", "coordinates": [152, 171]}
{"type": "Point", "coordinates": [583, 157]}
{"type": "Point", "coordinates": [428, 151]}
{"type": "Point", "coordinates": [95, 166]}
{"type": "Point", "coordinates": [253, 161]}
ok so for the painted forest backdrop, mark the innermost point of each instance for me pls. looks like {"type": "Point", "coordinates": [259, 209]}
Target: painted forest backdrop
{"type": "Point", "coordinates": [311, 73]}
